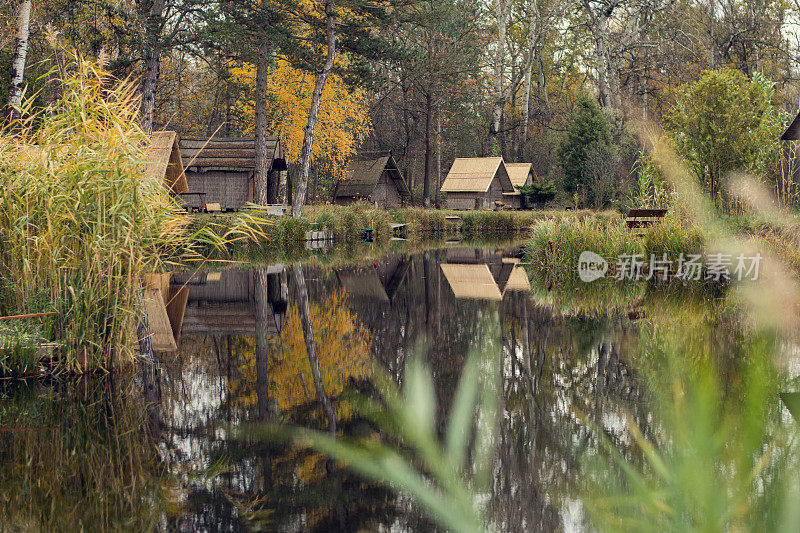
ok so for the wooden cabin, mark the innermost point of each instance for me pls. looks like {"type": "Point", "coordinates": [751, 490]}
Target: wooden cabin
{"type": "Point", "coordinates": [520, 174]}
{"type": "Point", "coordinates": [477, 183]}
{"type": "Point", "coordinates": [224, 168]}
{"type": "Point", "coordinates": [163, 161]}
{"type": "Point", "coordinates": [374, 178]}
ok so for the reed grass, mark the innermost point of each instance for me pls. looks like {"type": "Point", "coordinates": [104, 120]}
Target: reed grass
{"type": "Point", "coordinates": [80, 221]}
{"type": "Point", "coordinates": [555, 245]}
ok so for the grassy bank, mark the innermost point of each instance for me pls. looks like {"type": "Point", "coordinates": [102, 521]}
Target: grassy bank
{"type": "Point", "coordinates": [556, 245]}
{"type": "Point", "coordinates": [281, 238]}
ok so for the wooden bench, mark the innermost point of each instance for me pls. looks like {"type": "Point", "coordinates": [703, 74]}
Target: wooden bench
{"type": "Point", "coordinates": [638, 219]}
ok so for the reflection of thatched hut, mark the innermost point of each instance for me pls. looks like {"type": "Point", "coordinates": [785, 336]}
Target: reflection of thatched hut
{"type": "Point", "coordinates": [225, 302]}
{"type": "Point", "coordinates": [163, 159]}
{"type": "Point", "coordinates": [379, 283]}
{"type": "Point", "coordinates": [482, 274]}
{"type": "Point", "coordinates": [517, 279]}
{"type": "Point", "coordinates": [223, 167]}
{"type": "Point", "coordinates": [372, 177]}
{"type": "Point", "coordinates": [477, 183]}
{"type": "Point", "coordinates": [164, 306]}
{"type": "Point", "coordinates": [473, 282]}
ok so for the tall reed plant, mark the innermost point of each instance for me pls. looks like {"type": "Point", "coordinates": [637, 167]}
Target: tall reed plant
{"type": "Point", "coordinates": [80, 220]}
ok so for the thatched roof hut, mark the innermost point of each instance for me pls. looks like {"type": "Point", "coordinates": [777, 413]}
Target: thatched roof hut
{"type": "Point", "coordinates": [520, 173]}
{"type": "Point", "coordinates": [373, 177]}
{"type": "Point", "coordinates": [476, 183]}
{"type": "Point", "coordinates": [163, 161]}
{"type": "Point", "coordinates": [223, 167]}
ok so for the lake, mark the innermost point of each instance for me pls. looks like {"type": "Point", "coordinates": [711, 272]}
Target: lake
{"type": "Point", "coordinates": [162, 448]}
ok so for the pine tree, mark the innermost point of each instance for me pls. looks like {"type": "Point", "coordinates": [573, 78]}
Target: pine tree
{"type": "Point", "coordinates": [588, 129]}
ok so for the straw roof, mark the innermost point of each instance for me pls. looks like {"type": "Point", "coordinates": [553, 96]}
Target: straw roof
{"type": "Point", "coordinates": [163, 161]}
{"type": "Point", "coordinates": [228, 153]}
{"type": "Point", "coordinates": [475, 174]}
{"type": "Point", "coordinates": [471, 281]}
{"type": "Point", "coordinates": [792, 133]}
{"type": "Point", "coordinates": [518, 173]}
{"type": "Point", "coordinates": [362, 175]}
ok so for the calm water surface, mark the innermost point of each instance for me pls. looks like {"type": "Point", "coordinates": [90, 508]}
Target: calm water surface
{"type": "Point", "coordinates": [155, 450]}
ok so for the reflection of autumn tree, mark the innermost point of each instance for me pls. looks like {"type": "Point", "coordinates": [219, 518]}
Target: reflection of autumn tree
{"type": "Point", "coordinates": [343, 349]}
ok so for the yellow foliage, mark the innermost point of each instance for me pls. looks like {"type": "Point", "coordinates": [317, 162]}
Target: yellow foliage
{"type": "Point", "coordinates": [343, 116]}
{"type": "Point", "coordinates": [343, 347]}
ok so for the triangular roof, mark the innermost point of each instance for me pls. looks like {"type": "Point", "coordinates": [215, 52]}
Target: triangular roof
{"type": "Point", "coordinates": [518, 280]}
{"type": "Point", "coordinates": [792, 133]}
{"type": "Point", "coordinates": [163, 161]}
{"type": "Point", "coordinates": [475, 174]}
{"type": "Point", "coordinates": [229, 153]}
{"type": "Point", "coordinates": [471, 281]}
{"type": "Point", "coordinates": [518, 173]}
{"type": "Point", "coordinates": [362, 175]}
{"type": "Point", "coordinates": [362, 283]}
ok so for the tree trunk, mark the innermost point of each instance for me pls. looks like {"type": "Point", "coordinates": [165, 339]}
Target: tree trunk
{"type": "Point", "coordinates": [311, 347]}
{"type": "Point", "coordinates": [319, 85]}
{"type": "Point", "coordinates": [262, 189]}
{"type": "Point", "coordinates": [502, 10]}
{"type": "Point", "coordinates": [152, 61]}
{"type": "Point", "coordinates": [438, 155]}
{"type": "Point", "coordinates": [426, 185]}
{"type": "Point", "coordinates": [263, 315]}
{"type": "Point", "coordinates": [18, 60]}
{"type": "Point", "coordinates": [533, 25]}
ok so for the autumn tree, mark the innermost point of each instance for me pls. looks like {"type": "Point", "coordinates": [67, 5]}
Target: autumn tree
{"type": "Point", "coordinates": [725, 122]}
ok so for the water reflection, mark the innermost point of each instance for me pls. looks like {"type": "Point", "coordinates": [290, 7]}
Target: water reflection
{"type": "Point", "coordinates": [293, 344]}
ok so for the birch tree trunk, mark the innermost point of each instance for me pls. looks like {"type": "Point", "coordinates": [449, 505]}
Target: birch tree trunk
{"type": "Point", "coordinates": [313, 114]}
{"type": "Point", "coordinates": [152, 61]}
{"type": "Point", "coordinates": [261, 187]}
{"type": "Point", "coordinates": [18, 60]}
{"type": "Point", "coordinates": [533, 18]}
{"type": "Point", "coordinates": [502, 11]}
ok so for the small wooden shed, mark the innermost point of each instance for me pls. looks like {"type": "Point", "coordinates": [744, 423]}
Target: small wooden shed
{"type": "Point", "coordinates": [520, 174]}
{"type": "Point", "coordinates": [223, 167]}
{"type": "Point", "coordinates": [163, 161]}
{"type": "Point", "coordinates": [476, 183]}
{"type": "Point", "coordinates": [373, 177]}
